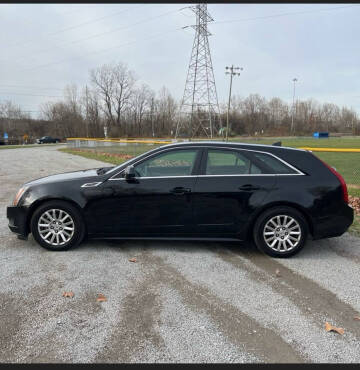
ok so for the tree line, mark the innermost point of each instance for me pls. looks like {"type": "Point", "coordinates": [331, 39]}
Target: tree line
{"type": "Point", "coordinates": [115, 100]}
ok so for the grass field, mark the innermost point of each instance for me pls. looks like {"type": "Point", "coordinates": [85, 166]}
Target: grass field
{"type": "Point", "coordinates": [332, 142]}
{"type": "Point", "coordinates": [113, 158]}
{"type": "Point", "coordinates": [347, 164]}
{"type": "Point", "coordinates": [355, 227]}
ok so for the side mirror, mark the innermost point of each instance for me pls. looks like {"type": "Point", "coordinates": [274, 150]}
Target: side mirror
{"type": "Point", "coordinates": [129, 173]}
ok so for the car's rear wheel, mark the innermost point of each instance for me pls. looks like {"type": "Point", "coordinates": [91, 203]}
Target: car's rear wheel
{"type": "Point", "coordinates": [280, 231]}
{"type": "Point", "coordinates": [57, 225]}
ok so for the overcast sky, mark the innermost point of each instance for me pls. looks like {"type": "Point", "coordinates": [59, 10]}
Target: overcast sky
{"type": "Point", "coordinates": [46, 46]}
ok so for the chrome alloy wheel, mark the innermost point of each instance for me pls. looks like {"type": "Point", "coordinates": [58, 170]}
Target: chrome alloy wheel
{"type": "Point", "coordinates": [56, 226]}
{"type": "Point", "coordinates": [282, 233]}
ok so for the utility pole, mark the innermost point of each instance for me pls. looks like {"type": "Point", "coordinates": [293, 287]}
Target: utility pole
{"type": "Point", "coordinates": [293, 108]}
{"type": "Point", "coordinates": [152, 116]}
{"type": "Point", "coordinates": [199, 108]}
{"type": "Point", "coordinates": [87, 111]}
{"type": "Point", "coordinates": [231, 73]}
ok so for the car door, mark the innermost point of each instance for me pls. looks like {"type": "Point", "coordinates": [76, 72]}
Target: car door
{"type": "Point", "coordinates": [164, 192]}
{"type": "Point", "coordinates": [157, 202]}
{"type": "Point", "coordinates": [231, 186]}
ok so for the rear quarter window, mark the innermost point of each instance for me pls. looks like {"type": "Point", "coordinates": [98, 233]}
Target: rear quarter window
{"type": "Point", "coordinates": [275, 166]}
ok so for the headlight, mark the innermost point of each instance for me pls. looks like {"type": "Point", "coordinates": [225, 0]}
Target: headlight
{"type": "Point", "coordinates": [19, 194]}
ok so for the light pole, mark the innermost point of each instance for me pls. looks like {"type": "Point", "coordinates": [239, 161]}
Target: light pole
{"type": "Point", "coordinates": [293, 107]}
{"type": "Point", "coordinates": [231, 73]}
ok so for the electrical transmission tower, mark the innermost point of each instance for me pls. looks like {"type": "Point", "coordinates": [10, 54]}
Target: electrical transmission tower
{"type": "Point", "coordinates": [199, 111]}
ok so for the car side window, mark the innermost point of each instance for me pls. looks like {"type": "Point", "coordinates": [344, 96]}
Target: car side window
{"type": "Point", "coordinates": [275, 166]}
{"type": "Point", "coordinates": [233, 162]}
{"type": "Point", "coordinates": [173, 163]}
{"type": "Point", "coordinates": [229, 162]}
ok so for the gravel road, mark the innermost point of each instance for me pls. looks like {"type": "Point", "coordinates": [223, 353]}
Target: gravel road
{"type": "Point", "coordinates": [180, 302]}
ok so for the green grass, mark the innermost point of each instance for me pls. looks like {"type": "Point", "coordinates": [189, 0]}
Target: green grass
{"type": "Point", "coordinates": [92, 155]}
{"type": "Point", "coordinates": [354, 192]}
{"type": "Point", "coordinates": [347, 164]}
{"type": "Point", "coordinates": [332, 142]}
{"type": "Point", "coordinates": [355, 227]}
{"type": "Point", "coordinates": [134, 149]}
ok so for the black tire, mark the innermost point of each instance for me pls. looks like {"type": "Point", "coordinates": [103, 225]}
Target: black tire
{"type": "Point", "coordinates": [79, 226]}
{"type": "Point", "coordinates": [265, 217]}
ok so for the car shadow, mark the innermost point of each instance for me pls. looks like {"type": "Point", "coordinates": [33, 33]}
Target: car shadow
{"type": "Point", "coordinates": [313, 250]}
{"type": "Point", "coordinates": [167, 245]}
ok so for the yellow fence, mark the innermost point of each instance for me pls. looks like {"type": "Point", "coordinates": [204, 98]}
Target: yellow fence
{"type": "Point", "coordinates": [342, 150]}
{"type": "Point", "coordinates": [130, 141]}
{"type": "Point", "coordinates": [154, 142]}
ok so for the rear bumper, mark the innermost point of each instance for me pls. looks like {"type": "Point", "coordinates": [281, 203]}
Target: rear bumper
{"type": "Point", "coordinates": [334, 224]}
{"type": "Point", "coordinates": [17, 217]}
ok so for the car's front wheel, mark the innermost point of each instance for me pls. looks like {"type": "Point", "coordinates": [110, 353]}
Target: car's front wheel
{"type": "Point", "coordinates": [280, 231]}
{"type": "Point", "coordinates": [57, 225]}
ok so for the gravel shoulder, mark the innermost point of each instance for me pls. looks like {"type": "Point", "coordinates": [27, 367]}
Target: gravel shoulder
{"type": "Point", "coordinates": [180, 302]}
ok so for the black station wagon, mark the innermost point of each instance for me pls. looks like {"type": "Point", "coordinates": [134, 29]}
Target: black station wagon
{"type": "Point", "coordinates": [276, 196]}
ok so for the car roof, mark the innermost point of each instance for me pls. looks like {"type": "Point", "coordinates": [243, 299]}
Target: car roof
{"type": "Point", "coordinates": [229, 144]}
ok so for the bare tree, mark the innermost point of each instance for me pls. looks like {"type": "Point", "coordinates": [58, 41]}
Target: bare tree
{"type": "Point", "coordinates": [140, 104]}
{"type": "Point", "coordinates": [113, 99]}
{"type": "Point", "coordinates": [91, 111]}
{"type": "Point", "coordinates": [166, 110]}
{"type": "Point", "coordinates": [114, 83]}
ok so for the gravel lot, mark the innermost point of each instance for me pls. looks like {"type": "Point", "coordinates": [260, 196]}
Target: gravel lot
{"type": "Point", "coordinates": [180, 302]}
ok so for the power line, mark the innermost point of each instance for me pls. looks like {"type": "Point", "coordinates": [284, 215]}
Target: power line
{"type": "Point", "coordinates": [218, 22]}
{"type": "Point", "coordinates": [78, 25]}
{"type": "Point", "coordinates": [47, 96]}
{"type": "Point", "coordinates": [94, 20]}
{"type": "Point", "coordinates": [33, 87]}
{"type": "Point", "coordinates": [166, 33]}
{"type": "Point", "coordinates": [82, 6]}
{"type": "Point", "coordinates": [284, 14]}
{"type": "Point", "coordinates": [108, 32]}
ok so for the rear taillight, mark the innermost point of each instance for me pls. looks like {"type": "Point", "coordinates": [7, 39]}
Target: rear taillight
{"type": "Point", "coordinates": [342, 182]}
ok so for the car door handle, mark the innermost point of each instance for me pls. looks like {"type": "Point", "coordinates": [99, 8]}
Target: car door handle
{"type": "Point", "coordinates": [180, 190]}
{"type": "Point", "coordinates": [249, 187]}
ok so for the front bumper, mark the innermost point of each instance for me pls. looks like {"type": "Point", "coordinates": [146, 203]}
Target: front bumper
{"type": "Point", "coordinates": [17, 217]}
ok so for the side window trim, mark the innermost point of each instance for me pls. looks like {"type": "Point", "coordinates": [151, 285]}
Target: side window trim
{"type": "Point", "coordinates": [259, 164]}
{"type": "Point", "coordinates": [243, 152]}
{"type": "Point", "coordinates": [298, 172]}
{"type": "Point", "coordinates": [234, 150]}
{"type": "Point", "coordinates": [202, 157]}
